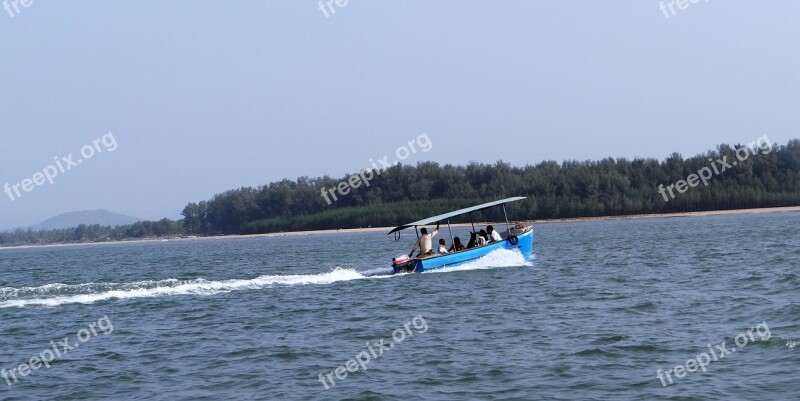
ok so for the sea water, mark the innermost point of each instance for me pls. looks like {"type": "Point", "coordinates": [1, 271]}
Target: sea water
{"type": "Point", "coordinates": [602, 311]}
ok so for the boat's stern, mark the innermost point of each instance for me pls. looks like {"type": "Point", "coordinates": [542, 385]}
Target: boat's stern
{"type": "Point", "coordinates": [403, 264]}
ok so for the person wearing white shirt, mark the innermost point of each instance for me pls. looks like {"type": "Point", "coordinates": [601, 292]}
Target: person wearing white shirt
{"type": "Point", "coordinates": [442, 246]}
{"type": "Point", "coordinates": [425, 242]}
{"type": "Point", "coordinates": [483, 238]}
{"type": "Point", "coordinates": [493, 235]}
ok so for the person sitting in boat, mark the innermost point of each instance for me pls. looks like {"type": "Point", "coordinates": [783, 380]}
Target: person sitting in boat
{"type": "Point", "coordinates": [493, 235]}
{"type": "Point", "coordinates": [442, 246]}
{"type": "Point", "coordinates": [483, 238]}
{"type": "Point", "coordinates": [457, 245]}
{"type": "Point", "coordinates": [473, 240]}
{"type": "Point", "coordinates": [425, 242]}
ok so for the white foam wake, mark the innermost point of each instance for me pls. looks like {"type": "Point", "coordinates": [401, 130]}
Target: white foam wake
{"type": "Point", "coordinates": [495, 259]}
{"type": "Point", "coordinates": [60, 294]}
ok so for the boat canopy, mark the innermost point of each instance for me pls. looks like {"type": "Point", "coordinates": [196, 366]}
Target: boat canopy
{"type": "Point", "coordinates": [446, 216]}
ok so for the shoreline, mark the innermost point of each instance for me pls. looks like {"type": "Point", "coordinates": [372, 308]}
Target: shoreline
{"type": "Point", "coordinates": [387, 229]}
{"type": "Point", "coordinates": [783, 209]}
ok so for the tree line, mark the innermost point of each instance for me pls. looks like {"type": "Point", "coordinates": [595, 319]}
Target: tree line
{"type": "Point", "coordinates": [404, 193]}
{"type": "Point", "coordinates": [608, 187]}
{"type": "Point", "coordinates": [94, 233]}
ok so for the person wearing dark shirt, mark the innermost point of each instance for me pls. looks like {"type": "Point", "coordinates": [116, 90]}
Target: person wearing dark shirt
{"type": "Point", "coordinates": [457, 245]}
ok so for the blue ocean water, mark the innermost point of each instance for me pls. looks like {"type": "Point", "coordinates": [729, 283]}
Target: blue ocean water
{"type": "Point", "coordinates": [598, 313]}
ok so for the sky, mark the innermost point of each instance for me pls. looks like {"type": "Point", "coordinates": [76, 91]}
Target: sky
{"type": "Point", "coordinates": [175, 101]}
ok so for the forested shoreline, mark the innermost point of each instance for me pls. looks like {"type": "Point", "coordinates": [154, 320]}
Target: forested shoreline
{"type": "Point", "coordinates": [399, 194]}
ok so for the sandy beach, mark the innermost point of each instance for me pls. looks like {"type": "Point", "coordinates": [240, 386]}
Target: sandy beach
{"type": "Point", "coordinates": [477, 224]}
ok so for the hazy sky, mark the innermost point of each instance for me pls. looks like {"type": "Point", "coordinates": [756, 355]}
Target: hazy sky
{"type": "Point", "coordinates": [205, 96]}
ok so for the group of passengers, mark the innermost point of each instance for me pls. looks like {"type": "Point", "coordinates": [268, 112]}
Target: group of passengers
{"type": "Point", "coordinates": [476, 239]}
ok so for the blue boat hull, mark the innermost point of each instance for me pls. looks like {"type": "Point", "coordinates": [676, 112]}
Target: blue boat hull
{"type": "Point", "coordinates": [524, 245]}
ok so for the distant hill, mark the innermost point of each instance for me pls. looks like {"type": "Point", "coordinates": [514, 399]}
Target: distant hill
{"type": "Point", "coordinates": [88, 217]}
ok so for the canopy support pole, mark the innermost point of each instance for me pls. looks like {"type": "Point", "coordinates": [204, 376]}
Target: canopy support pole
{"type": "Point", "coordinates": [451, 236]}
{"type": "Point", "coordinates": [508, 228]}
{"type": "Point", "coordinates": [471, 222]}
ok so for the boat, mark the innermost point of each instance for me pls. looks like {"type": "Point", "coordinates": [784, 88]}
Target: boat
{"type": "Point", "coordinates": [518, 237]}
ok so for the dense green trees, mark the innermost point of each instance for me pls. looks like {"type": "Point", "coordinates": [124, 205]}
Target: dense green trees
{"type": "Point", "coordinates": [571, 189]}
{"type": "Point", "coordinates": [401, 194]}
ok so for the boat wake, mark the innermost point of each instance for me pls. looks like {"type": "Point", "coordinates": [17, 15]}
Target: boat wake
{"type": "Point", "coordinates": [495, 259]}
{"type": "Point", "coordinates": [60, 294]}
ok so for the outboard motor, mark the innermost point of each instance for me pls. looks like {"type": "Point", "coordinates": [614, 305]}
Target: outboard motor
{"type": "Point", "coordinates": [402, 264]}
